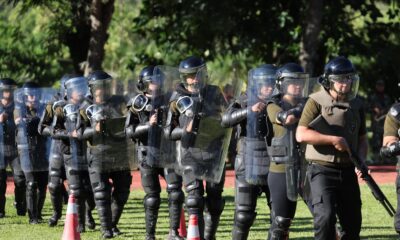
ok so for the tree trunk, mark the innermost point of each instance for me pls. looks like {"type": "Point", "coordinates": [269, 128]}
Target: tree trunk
{"type": "Point", "coordinates": [101, 12]}
{"type": "Point", "coordinates": [78, 40]}
{"type": "Point", "coordinates": [310, 42]}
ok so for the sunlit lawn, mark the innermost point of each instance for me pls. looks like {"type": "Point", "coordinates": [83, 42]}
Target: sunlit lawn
{"type": "Point", "coordinates": [376, 222]}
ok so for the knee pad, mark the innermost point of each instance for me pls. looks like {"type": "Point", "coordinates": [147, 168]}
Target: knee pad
{"type": "Point", "coordinates": [280, 228]}
{"type": "Point", "coordinates": [54, 187]}
{"type": "Point", "coordinates": [76, 190]}
{"type": "Point", "coordinates": [121, 197]}
{"type": "Point", "coordinates": [245, 219]}
{"type": "Point", "coordinates": [152, 201]}
{"type": "Point", "coordinates": [215, 206]}
{"type": "Point", "coordinates": [19, 180]}
{"type": "Point", "coordinates": [101, 195]}
{"type": "Point", "coordinates": [176, 196]}
{"type": "Point", "coordinates": [55, 173]}
{"type": "Point", "coordinates": [194, 201]}
{"type": "Point", "coordinates": [31, 185]}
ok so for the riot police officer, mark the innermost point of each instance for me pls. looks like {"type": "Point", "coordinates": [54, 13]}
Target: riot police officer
{"type": "Point", "coordinates": [31, 147]}
{"type": "Point", "coordinates": [65, 121]}
{"type": "Point", "coordinates": [107, 151]}
{"type": "Point", "coordinates": [379, 105]}
{"type": "Point", "coordinates": [48, 123]}
{"type": "Point", "coordinates": [391, 148]}
{"type": "Point", "coordinates": [195, 103]}
{"type": "Point", "coordinates": [249, 113]}
{"type": "Point", "coordinates": [332, 124]}
{"type": "Point", "coordinates": [145, 112]}
{"type": "Point", "coordinates": [284, 111]}
{"type": "Point", "coordinates": [9, 155]}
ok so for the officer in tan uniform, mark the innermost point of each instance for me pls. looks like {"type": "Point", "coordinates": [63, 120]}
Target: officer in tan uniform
{"type": "Point", "coordinates": [333, 180]}
{"type": "Point", "coordinates": [284, 112]}
{"type": "Point", "coordinates": [390, 148]}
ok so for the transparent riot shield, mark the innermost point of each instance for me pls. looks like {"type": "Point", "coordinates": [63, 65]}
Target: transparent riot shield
{"type": "Point", "coordinates": [161, 152]}
{"type": "Point", "coordinates": [75, 158]}
{"type": "Point", "coordinates": [33, 149]}
{"type": "Point", "coordinates": [298, 86]}
{"type": "Point", "coordinates": [259, 89]}
{"type": "Point", "coordinates": [204, 143]}
{"type": "Point", "coordinates": [109, 148]}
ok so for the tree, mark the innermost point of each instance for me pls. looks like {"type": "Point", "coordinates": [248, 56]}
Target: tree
{"type": "Point", "coordinates": [100, 15]}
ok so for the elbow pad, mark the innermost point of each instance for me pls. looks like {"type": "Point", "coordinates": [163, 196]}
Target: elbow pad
{"type": "Point", "coordinates": [88, 133]}
{"type": "Point", "coordinates": [129, 131]}
{"type": "Point", "coordinates": [47, 131]}
{"type": "Point", "coordinates": [281, 117]}
{"type": "Point", "coordinates": [60, 134]}
{"type": "Point", "coordinates": [390, 151]}
{"type": "Point", "coordinates": [176, 134]}
{"type": "Point", "coordinates": [233, 118]}
{"type": "Point", "coordinates": [141, 130]}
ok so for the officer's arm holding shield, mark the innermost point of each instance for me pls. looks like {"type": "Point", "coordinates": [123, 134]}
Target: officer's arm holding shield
{"type": "Point", "coordinates": [284, 110]}
{"type": "Point", "coordinates": [252, 160]}
{"type": "Point", "coordinates": [32, 146]}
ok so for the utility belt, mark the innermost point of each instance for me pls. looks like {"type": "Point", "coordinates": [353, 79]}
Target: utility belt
{"type": "Point", "coordinates": [341, 166]}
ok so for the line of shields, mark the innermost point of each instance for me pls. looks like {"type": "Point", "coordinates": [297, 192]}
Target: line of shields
{"type": "Point", "coordinates": [258, 152]}
{"type": "Point", "coordinates": [33, 149]}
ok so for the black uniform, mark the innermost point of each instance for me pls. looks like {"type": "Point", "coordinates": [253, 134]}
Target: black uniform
{"type": "Point", "coordinates": [195, 200]}
{"type": "Point", "coordinates": [48, 123]}
{"type": "Point", "coordinates": [11, 157]}
{"type": "Point", "coordinates": [36, 181]}
{"type": "Point", "coordinates": [104, 147]}
{"type": "Point", "coordinates": [246, 194]}
{"type": "Point", "coordinates": [76, 172]}
{"type": "Point", "coordinates": [137, 128]}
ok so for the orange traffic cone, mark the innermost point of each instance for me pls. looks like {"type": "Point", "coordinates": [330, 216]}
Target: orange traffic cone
{"type": "Point", "coordinates": [182, 225]}
{"type": "Point", "coordinates": [193, 230]}
{"type": "Point", "coordinates": [71, 221]}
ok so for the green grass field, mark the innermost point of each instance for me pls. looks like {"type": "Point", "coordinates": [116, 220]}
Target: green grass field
{"type": "Point", "coordinates": [376, 222]}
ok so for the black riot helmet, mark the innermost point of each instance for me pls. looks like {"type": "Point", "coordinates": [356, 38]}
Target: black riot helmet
{"type": "Point", "coordinates": [31, 93]}
{"type": "Point", "coordinates": [100, 84]}
{"type": "Point", "coordinates": [292, 74]}
{"type": "Point", "coordinates": [261, 81]}
{"type": "Point", "coordinates": [7, 85]}
{"type": "Point", "coordinates": [144, 78]}
{"type": "Point", "coordinates": [63, 79]}
{"type": "Point", "coordinates": [340, 71]}
{"type": "Point", "coordinates": [195, 68]}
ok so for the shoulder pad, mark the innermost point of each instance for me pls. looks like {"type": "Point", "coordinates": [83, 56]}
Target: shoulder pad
{"type": "Point", "coordinates": [174, 96]}
{"type": "Point", "coordinates": [60, 103]}
{"type": "Point", "coordinates": [395, 111]}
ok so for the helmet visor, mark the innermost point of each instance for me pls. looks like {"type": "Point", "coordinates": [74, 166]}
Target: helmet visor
{"type": "Point", "coordinates": [101, 90]}
{"type": "Point", "coordinates": [195, 81]}
{"type": "Point", "coordinates": [260, 85]}
{"type": "Point", "coordinates": [345, 85]}
{"type": "Point", "coordinates": [77, 89]}
{"type": "Point", "coordinates": [295, 86]}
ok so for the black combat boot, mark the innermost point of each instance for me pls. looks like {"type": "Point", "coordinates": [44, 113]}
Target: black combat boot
{"type": "Point", "coordinates": [57, 209]}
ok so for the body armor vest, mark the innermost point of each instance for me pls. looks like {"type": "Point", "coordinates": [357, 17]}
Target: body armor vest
{"type": "Point", "coordinates": [344, 120]}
